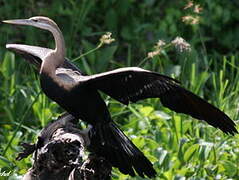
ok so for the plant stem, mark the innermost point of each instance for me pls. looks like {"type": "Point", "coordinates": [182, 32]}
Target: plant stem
{"type": "Point", "coordinates": [90, 51]}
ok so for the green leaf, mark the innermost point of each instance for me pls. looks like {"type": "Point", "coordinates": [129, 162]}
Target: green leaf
{"type": "Point", "coordinates": [178, 125]}
{"type": "Point", "coordinates": [146, 110]}
{"type": "Point", "coordinates": [139, 141]}
{"type": "Point", "coordinates": [151, 143]}
{"type": "Point", "coordinates": [205, 149]}
{"type": "Point", "coordinates": [190, 151]}
{"type": "Point", "coordinates": [230, 168]}
{"type": "Point", "coordinates": [162, 155]}
{"type": "Point", "coordinates": [4, 162]}
{"type": "Point", "coordinates": [162, 115]}
{"type": "Point", "coordinates": [169, 174]}
{"type": "Point", "coordinates": [8, 65]}
{"type": "Point", "coordinates": [151, 158]}
{"type": "Point", "coordinates": [182, 143]}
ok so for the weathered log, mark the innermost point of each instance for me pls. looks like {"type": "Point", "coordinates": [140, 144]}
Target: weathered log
{"type": "Point", "coordinates": [60, 153]}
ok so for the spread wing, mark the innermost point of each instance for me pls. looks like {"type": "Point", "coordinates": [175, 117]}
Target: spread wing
{"type": "Point", "coordinates": [133, 84]}
{"type": "Point", "coordinates": [35, 54]}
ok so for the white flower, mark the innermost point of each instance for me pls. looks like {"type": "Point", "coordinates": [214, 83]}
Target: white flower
{"type": "Point", "coordinates": [153, 53]}
{"type": "Point", "coordinates": [159, 44]}
{"type": "Point", "coordinates": [106, 38]}
{"type": "Point", "coordinates": [181, 44]}
{"type": "Point", "coordinates": [191, 19]}
{"type": "Point", "coordinates": [189, 5]}
{"type": "Point", "coordinates": [157, 49]}
{"type": "Point", "coordinates": [197, 9]}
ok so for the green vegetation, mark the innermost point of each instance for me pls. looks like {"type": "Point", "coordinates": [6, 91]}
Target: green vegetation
{"type": "Point", "coordinates": [180, 147]}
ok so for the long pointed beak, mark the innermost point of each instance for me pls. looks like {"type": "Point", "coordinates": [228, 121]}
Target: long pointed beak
{"type": "Point", "coordinates": [18, 21]}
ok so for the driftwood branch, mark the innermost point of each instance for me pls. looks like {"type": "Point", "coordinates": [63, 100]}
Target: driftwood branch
{"type": "Point", "coordinates": [60, 153]}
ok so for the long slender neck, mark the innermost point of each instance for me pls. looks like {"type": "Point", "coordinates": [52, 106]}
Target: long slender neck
{"type": "Point", "coordinates": [55, 58]}
{"type": "Point", "coordinates": [59, 42]}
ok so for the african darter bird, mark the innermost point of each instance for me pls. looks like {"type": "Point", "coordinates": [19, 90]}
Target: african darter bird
{"type": "Point", "coordinates": [78, 94]}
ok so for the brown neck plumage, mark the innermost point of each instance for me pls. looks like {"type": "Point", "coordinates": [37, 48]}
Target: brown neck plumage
{"type": "Point", "coordinates": [55, 58]}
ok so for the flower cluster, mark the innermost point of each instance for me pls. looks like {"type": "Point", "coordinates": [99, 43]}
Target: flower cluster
{"type": "Point", "coordinates": [181, 44]}
{"type": "Point", "coordinates": [189, 5]}
{"type": "Point", "coordinates": [190, 19]}
{"type": "Point", "coordinates": [157, 49]}
{"type": "Point", "coordinates": [194, 17]}
{"type": "Point", "coordinates": [197, 9]}
{"type": "Point", "coordinates": [106, 38]}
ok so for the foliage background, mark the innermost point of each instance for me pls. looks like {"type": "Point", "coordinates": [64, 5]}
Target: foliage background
{"type": "Point", "coordinates": [179, 146]}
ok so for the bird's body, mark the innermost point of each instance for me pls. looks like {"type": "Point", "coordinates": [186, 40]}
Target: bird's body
{"type": "Point", "coordinates": [59, 84]}
{"type": "Point", "coordinates": [83, 102]}
{"type": "Point", "coordinates": [78, 94]}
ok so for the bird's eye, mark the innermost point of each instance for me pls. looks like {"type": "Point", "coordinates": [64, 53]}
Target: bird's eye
{"type": "Point", "coordinates": [35, 20]}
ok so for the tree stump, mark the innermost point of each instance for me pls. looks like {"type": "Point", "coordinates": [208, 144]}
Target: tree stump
{"type": "Point", "coordinates": [60, 153]}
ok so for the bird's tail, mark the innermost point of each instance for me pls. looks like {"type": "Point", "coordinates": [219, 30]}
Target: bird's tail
{"type": "Point", "coordinates": [108, 141]}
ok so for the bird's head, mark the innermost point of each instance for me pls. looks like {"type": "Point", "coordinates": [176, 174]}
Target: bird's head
{"type": "Point", "coordinates": [37, 21]}
{"type": "Point", "coordinates": [46, 24]}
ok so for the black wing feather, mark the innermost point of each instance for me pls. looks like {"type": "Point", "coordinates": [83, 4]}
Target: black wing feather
{"type": "Point", "coordinates": [134, 84]}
